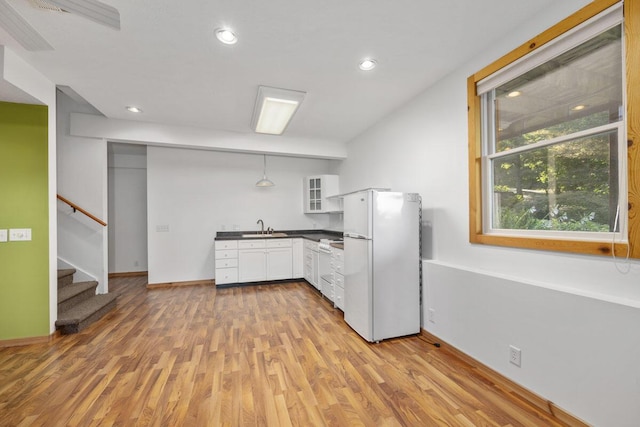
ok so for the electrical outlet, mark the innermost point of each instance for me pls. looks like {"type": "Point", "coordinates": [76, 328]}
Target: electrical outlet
{"type": "Point", "coordinates": [431, 315]}
{"type": "Point", "coordinates": [3, 235]}
{"type": "Point", "coordinates": [515, 355]}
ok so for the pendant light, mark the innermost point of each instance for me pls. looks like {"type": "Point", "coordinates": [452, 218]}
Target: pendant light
{"type": "Point", "coordinates": [265, 182]}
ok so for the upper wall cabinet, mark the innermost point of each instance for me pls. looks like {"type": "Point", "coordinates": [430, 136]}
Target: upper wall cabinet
{"type": "Point", "coordinates": [318, 191]}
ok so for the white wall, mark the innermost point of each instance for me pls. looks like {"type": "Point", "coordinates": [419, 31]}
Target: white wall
{"type": "Point", "coordinates": [82, 178]}
{"type": "Point", "coordinates": [127, 212]}
{"type": "Point", "coordinates": [197, 193]}
{"type": "Point", "coordinates": [574, 317]}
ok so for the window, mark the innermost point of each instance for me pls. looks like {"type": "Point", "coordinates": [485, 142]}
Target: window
{"type": "Point", "coordinates": [548, 139]}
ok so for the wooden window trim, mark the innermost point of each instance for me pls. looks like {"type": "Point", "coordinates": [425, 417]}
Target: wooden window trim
{"type": "Point", "coordinates": [632, 62]}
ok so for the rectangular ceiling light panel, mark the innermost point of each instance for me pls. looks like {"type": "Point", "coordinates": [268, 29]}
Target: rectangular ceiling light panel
{"type": "Point", "coordinates": [274, 109]}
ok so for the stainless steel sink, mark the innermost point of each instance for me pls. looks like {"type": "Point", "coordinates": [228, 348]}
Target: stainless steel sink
{"type": "Point", "coordinates": [259, 236]}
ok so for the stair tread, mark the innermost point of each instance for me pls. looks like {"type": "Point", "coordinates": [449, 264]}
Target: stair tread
{"type": "Point", "coordinates": [73, 289]}
{"type": "Point", "coordinates": [85, 309]}
{"type": "Point", "coordinates": [64, 272]}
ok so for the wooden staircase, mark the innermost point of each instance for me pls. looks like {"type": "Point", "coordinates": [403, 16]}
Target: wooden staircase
{"type": "Point", "coordinates": [78, 304]}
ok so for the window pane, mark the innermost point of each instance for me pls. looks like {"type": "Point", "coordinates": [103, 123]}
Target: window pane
{"type": "Point", "coordinates": [568, 186]}
{"type": "Point", "coordinates": [580, 89]}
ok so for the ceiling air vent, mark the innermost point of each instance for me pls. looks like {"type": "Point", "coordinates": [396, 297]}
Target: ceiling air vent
{"type": "Point", "coordinates": [43, 5]}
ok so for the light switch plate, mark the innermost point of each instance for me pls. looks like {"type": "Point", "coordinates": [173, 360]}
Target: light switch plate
{"type": "Point", "coordinates": [3, 235]}
{"type": "Point", "coordinates": [19, 234]}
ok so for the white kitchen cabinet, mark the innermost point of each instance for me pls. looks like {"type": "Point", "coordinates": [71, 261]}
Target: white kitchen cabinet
{"type": "Point", "coordinates": [311, 272]}
{"type": "Point", "coordinates": [262, 259]}
{"type": "Point", "coordinates": [227, 263]}
{"type": "Point", "coordinates": [317, 192]}
{"type": "Point", "coordinates": [252, 244]}
{"type": "Point", "coordinates": [297, 258]}
{"type": "Point", "coordinates": [337, 270]}
{"type": "Point", "coordinates": [226, 275]}
{"type": "Point", "coordinates": [252, 260]}
{"type": "Point", "coordinates": [226, 244]}
{"type": "Point", "coordinates": [256, 260]}
{"type": "Point", "coordinates": [279, 264]}
{"type": "Point", "coordinates": [278, 243]}
{"type": "Point", "coordinates": [308, 268]}
{"type": "Point", "coordinates": [338, 283]}
{"type": "Point", "coordinates": [337, 265]}
{"type": "Point", "coordinates": [252, 265]}
{"type": "Point", "coordinates": [226, 252]}
{"type": "Point", "coordinates": [279, 259]}
{"type": "Point", "coordinates": [315, 270]}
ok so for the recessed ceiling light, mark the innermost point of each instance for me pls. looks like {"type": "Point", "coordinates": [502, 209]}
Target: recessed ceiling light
{"type": "Point", "coordinates": [133, 109]}
{"type": "Point", "coordinates": [367, 65]}
{"type": "Point", "coordinates": [579, 107]}
{"type": "Point", "coordinates": [514, 94]}
{"type": "Point", "coordinates": [226, 36]}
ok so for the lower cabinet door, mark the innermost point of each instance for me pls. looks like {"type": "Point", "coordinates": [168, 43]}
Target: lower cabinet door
{"type": "Point", "coordinates": [279, 263]}
{"type": "Point", "coordinates": [252, 265]}
{"type": "Point", "coordinates": [297, 259]}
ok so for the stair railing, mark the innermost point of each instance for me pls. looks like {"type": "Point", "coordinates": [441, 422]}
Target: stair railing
{"type": "Point", "coordinates": [79, 209]}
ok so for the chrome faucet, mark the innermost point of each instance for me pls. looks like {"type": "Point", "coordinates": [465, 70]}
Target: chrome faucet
{"type": "Point", "coordinates": [261, 222]}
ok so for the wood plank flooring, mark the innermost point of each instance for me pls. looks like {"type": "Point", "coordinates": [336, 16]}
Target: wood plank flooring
{"type": "Point", "coordinates": [268, 355]}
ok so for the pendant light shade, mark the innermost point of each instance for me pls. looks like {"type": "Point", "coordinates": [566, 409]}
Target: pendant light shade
{"type": "Point", "coordinates": [265, 182]}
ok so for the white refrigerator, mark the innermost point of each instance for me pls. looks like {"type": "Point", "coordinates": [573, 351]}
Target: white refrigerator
{"type": "Point", "coordinates": [382, 263]}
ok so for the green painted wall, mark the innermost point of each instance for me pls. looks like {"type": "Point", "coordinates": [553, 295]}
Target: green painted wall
{"type": "Point", "coordinates": [24, 266]}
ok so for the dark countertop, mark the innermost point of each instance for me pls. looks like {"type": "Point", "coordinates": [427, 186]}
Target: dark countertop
{"type": "Point", "coordinates": [314, 235]}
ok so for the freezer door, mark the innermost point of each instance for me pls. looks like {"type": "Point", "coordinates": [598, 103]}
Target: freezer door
{"type": "Point", "coordinates": [357, 286]}
{"type": "Point", "coordinates": [357, 214]}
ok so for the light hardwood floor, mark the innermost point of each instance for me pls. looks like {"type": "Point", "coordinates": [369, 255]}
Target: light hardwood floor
{"type": "Point", "coordinates": [268, 355]}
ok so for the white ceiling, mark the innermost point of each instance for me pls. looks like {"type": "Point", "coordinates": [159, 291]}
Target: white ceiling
{"type": "Point", "coordinates": [166, 59]}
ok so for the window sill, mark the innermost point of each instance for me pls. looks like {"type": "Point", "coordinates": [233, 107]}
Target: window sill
{"type": "Point", "coordinates": [558, 245]}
